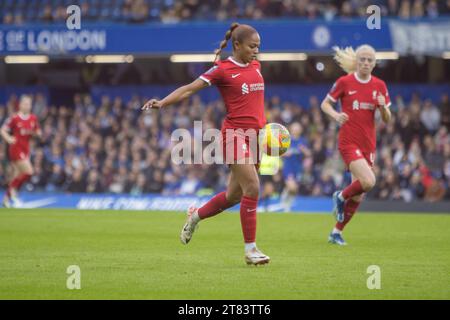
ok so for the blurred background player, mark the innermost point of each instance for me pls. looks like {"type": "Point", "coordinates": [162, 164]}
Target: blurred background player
{"type": "Point", "coordinates": [17, 132]}
{"type": "Point", "coordinates": [241, 85]}
{"type": "Point", "coordinates": [361, 94]}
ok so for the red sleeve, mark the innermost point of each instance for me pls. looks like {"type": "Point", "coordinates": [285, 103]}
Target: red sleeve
{"type": "Point", "coordinates": [337, 90]}
{"type": "Point", "coordinates": [213, 76]}
{"type": "Point", "coordinates": [385, 93]}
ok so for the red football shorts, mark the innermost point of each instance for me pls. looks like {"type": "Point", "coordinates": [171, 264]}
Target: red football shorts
{"type": "Point", "coordinates": [17, 154]}
{"type": "Point", "coordinates": [352, 152]}
{"type": "Point", "coordinates": [240, 148]}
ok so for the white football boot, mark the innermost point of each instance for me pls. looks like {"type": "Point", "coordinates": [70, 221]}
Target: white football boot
{"type": "Point", "coordinates": [9, 201]}
{"type": "Point", "coordinates": [15, 200]}
{"type": "Point", "coordinates": [6, 201]}
{"type": "Point", "coordinates": [256, 257]}
{"type": "Point", "coordinates": [189, 227]}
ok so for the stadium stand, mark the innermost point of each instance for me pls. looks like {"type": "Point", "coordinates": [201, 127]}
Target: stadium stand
{"type": "Point", "coordinates": [18, 12]}
{"type": "Point", "coordinates": [111, 147]}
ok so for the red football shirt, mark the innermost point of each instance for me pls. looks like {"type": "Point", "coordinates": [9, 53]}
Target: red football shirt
{"type": "Point", "coordinates": [22, 128]}
{"type": "Point", "coordinates": [242, 90]}
{"type": "Point", "coordinates": [359, 101]}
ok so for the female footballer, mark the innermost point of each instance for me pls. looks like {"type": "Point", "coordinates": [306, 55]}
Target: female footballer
{"type": "Point", "coordinates": [360, 94]}
{"type": "Point", "coordinates": [17, 132]}
{"type": "Point", "coordinates": [241, 85]}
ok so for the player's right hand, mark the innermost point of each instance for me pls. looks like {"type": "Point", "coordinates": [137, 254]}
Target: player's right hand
{"type": "Point", "coordinates": [342, 118]}
{"type": "Point", "coordinates": [152, 104]}
{"type": "Point", "coordinates": [11, 140]}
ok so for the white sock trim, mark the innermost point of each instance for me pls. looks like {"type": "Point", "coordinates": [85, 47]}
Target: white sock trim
{"type": "Point", "coordinates": [195, 217]}
{"type": "Point", "coordinates": [335, 230]}
{"type": "Point", "coordinates": [250, 246]}
{"type": "Point", "coordinates": [340, 196]}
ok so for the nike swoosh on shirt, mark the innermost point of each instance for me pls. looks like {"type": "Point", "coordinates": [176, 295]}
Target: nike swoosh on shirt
{"type": "Point", "coordinates": [352, 92]}
{"type": "Point", "coordinates": [235, 75]}
{"type": "Point", "coordinates": [250, 210]}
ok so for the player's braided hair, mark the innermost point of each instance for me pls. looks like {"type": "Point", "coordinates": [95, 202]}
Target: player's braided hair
{"type": "Point", "coordinates": [346, 58]}
{"type": "Point", "coordinates": [224, 42]}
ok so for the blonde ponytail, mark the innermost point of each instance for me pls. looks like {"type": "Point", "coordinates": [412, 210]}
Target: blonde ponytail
{"type": "Point", "coordinates": [345, 58]}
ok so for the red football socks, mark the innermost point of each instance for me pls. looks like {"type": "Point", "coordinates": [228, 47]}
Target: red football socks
{"type": "Point", "coordinates": [354, 189]}
{"type": "Point", "coordinates": [248, 218]}
{"type": "Point", "coordinates": [350, 208]}
{"type": "Point", "coordinates": [16, 183]}
{"type": "Point", "coordinates": [214, 206]}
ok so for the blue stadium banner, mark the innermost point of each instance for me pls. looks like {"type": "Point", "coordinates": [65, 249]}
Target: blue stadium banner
{"type": "Point", "coordinates": [158, 38]}
{"type": "Point", "coordinates": [420, 38]}
{"type": "Point", "coordinates": [155, 202]}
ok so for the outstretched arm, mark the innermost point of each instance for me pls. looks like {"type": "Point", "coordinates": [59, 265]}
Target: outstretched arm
{"type": "Point", "coordinates": [327, 106]}
{"type": "Point", "coordinates": [177, 95]}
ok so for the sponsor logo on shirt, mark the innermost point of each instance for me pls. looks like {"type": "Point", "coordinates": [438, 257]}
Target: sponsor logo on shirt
{"type": "Point", "coordinates": [253, 87]}
{"type": "Point", "coordinates": [363, 105]}
{"type": "Point", "coordinates": [256, 86]}
{"type": "Point", "coordinates": [245, 88]}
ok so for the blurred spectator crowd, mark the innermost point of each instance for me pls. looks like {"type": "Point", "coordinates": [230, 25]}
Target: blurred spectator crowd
{"type": "Point", "coordinates": [113, 147]}
{"type": "Point", "coordinates": [173, 11]}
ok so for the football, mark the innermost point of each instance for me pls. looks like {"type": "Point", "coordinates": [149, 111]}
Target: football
{"type": "Point", "coordinates": [275, 139]}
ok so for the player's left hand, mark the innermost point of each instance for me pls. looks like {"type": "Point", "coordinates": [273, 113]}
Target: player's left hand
{"type": "Point", "coordinates": [381, 100]}
{"type": "Point", "coordinates": [38, 134]}
{"type": "Point", "coordinates": [152, 104]}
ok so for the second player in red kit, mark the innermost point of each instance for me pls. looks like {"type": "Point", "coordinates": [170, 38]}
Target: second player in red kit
{"type": "Point", "coordinates": [17, 132]}
{"type": "Point", "coordinates": [360, 94]}
{"type": "Point", "coordinates": [359, 100]}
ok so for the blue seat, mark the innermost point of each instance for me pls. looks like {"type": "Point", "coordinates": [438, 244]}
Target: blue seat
{"type": "Point", "coordinates": [30, 15]}
{"type": "Point", "coordinates": [155, 13]}
{"type": "Point", "coordinates": [93, 12]}
{"type": "Point", "coordinates": [105, 13]}
{"type": "Point", "coordinates": [116, 14]}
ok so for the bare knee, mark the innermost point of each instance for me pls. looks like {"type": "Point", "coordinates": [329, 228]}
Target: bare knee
{"type": "Point", "coordinates": [251, 190]}
{"type": "Point", "coordinates": [28, 171]}
{"type": "Point", "coordinates": [234, 197]}
{"type": "Point", "coordinates": [367, 183]}
{"type": "Point", "coordinates": [24, 168]}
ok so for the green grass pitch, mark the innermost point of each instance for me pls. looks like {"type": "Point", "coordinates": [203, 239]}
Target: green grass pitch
{"type": "Point", "coordinates": [138, 255]}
